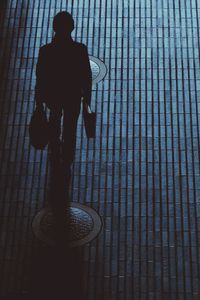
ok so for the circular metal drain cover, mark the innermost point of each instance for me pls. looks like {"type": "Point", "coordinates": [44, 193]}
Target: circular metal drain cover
{"type": "Point", "coordinates": [98, 68]}
{"type": "Point", "coordinates": [85, 224]}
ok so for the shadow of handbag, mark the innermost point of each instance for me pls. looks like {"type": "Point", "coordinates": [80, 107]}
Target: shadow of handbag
{"type": "Point", "coordinates": [89, 118]}
{"type": "Point", "coordinates": [39, 129]}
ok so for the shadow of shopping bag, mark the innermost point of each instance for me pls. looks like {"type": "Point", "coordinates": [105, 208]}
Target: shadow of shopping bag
{"type": "Point", "coordinates": [89, 118]}
{"type": "Point", "coordinates": [39, 129]}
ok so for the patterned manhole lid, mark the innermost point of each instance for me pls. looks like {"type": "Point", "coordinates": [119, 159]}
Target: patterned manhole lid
{"type": "Point", "coordinates": [98, 68]}
{"type": "Point", "coordinates": [85, 224]}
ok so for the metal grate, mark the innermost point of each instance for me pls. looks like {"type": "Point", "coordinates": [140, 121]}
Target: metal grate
{"type": "Point", "coordinates": [85, 224]}
{"type": "Point", "coordinates": [98, 68]}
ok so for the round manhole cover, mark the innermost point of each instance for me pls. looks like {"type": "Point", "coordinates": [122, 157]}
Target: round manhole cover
{"type": "Point", "coordinates": [85, 224]}
{"type": "Point", "coordinates": [98, 68]}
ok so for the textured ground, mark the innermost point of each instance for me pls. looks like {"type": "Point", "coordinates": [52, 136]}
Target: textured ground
{"type": "Point", "coordinates": [142, 171]}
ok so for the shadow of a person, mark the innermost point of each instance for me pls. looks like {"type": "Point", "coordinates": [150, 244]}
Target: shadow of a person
{"type": "Point", "coordinates": [58, 272]}
{"type": "Point", "coordinates": [63, 79]}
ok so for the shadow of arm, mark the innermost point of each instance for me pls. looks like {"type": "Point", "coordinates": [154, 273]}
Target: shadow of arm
{"type": "Point", "coordinates": [87, 77]}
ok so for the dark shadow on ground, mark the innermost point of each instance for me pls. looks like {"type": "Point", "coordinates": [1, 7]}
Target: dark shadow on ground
{"type": "Point", "coordinates": [57, 272]}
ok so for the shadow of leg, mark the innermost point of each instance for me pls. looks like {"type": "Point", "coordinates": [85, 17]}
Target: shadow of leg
{"type": "Point", "coordinates": [58, 271]}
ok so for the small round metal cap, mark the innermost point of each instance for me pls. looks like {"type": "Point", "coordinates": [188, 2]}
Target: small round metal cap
{"type": "Point", "coordinates": [98, 68]}
{"type": "Point", "coordinates": [84, 225]}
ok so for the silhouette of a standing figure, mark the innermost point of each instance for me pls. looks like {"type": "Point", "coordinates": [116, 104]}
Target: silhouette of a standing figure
{"type": "Point", "coordinates": [63, 79]}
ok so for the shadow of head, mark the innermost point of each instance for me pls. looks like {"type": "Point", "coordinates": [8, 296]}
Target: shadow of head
{"type": "Point", "coordinates": [63, 23]}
